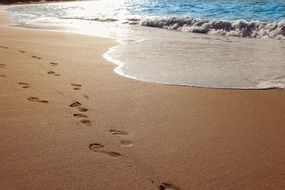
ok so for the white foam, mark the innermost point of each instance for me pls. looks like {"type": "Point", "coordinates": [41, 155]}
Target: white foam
{"type": "Point", "coordinates": [272, 84]}
{"type": "Point", "coordinates": [240, 28]}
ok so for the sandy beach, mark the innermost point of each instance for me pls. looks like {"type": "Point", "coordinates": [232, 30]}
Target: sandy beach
{"type": "Point", "coordinates": [69, 122]}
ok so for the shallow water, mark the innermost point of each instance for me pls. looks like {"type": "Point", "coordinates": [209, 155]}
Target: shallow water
{"type": "Point", "coordinates": [213, 59]}
{"type": "Point", "coordinates": [202, 60]}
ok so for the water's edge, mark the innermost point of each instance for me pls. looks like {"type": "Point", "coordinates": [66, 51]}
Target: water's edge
{"type": "Point", "coordinates": [145, 52]}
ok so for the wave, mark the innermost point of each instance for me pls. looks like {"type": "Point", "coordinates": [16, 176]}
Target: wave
{"type": "Point", "coordinates": [240, 28]}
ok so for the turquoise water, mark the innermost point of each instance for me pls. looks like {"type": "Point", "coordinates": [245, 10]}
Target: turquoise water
{"type": "Point", "coordinates": [261, 10]}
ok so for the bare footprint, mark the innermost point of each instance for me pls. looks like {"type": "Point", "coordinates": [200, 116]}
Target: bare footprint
{"type": "Point", "coordinates": [53, 63]}
{"type": "Point", "coordinates": [82, 109]}
{"type": "Point", "coordinates": [113, 154]}
{"type": "Point", "coordinates": [76, 86]}
{"type": "Point", "coordinates": [35, 57]}
{"type": "Point", "coordinates": [167, 186]}
{"type": "Point", "coordinates": [85, 122]}
{"type": "Point", "coordinates": [75, 104]}
{"type": "Point", "coordinates": [123, 142]}
{"type": "Point", "coordinates": [2, 65]}
{"type": "Point", "coordinates": [126, 143]}
{"type": "Point", "coordinates": [22, 51]}
{"type": "Point", "coordinates": [99, 149]}
{"type": "Point", "coordinates": [118, 133]}
{"type": "Point", "coordinates": [35, 99]}
{"type": "Point", "coordinates": [2, 75]}
{"type": "Point", "coordinates": [24, 85]}
{"type": "Point", "coordinates": [4, 47]}
{"type": "Point", "coordinates": [53, 73]}
{"type": "Point", "coordinates": [80, 115]}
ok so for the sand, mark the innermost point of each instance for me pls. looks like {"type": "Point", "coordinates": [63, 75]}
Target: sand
{"type": "Point", "coordinates": [69, 122]}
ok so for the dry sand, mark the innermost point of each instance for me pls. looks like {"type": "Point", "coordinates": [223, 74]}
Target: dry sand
{"type": "Point", "coordinates": [69, 122]}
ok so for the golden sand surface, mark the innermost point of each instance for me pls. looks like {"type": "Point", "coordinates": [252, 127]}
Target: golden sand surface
{"type": "Point", "coordinates": [67, 121]}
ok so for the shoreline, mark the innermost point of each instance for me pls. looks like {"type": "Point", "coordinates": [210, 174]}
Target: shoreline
{"type": "Point", "coordinates": [69, 122]}
{"type": "Point", "coordinates": [230, 71]}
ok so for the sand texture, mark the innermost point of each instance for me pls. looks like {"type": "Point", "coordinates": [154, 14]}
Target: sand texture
{"type": "Point", "coordinates": [67, 121]}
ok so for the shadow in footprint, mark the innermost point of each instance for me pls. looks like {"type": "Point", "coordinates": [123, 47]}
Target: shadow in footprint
{"type": "Point", "coordinates": [35, 99]}
{"type": "Point", "coordinates": [22, 51]}
{"type": "Point", "coordinates": [77, 105]}
{"type": "Point", "coordinates": [53, 63]}
{"type": "Point", "coordinates": [85, 122]}
{"type": "Point", "coordinates": [118, 133]}
{"type": "Point", "coordinates": [168, 186]}
{"type": "Point", "coordinates": [2, 75]}
{"type": "Point", "coordinates": [99, 149]}
{"type": "Point", "coordinates": [24, 85]}
{"type": "Point", "coordinates": [80, 115]}
{"type": "Point", "coordinates": [76, 86]}
{"type": "Point", "coordinates": [2, 65]}
{"type": "Point", "coordinates": [53, 73]}
{"type": "Point", "coordinates": [35, 57]}
{"type": "Point", "coordinates": [82, 109]}
{"type": "Point", "coordinates": [4, 47]}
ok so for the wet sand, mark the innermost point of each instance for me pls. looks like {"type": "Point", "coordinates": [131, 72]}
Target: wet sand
{"type": "Point", "coordinates": [69, 122]}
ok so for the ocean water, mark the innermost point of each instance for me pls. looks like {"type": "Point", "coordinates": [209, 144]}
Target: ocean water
{"type": "Point", "coordinates": [205, 43]}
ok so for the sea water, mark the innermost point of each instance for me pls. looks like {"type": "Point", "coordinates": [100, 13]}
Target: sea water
{"type": "Point", "coordinates": [205, 43]}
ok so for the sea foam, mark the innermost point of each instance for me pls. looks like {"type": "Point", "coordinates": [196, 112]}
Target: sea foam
{"type": "Point", "coordinates": [239, 28]}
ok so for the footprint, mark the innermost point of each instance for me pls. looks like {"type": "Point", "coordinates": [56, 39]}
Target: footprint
{"type": "Point", "coordinates": [75, 104]}
{"type": "Point", "coordinates": [123, 142]}
{"type": "Point", "coordinates": [85, 122]}
{"type": "Point", "coordinates": [95, 146]}
{"type": "Point", "coordinates": [53, 63]}
{"type": "Point", "coordinates": [2, 75]}
{"type": "Point", "coordinates": [53, 73]}
{"type": "Point", "coordinates": [99, 149]}
{"type": "Point", "coordinates": [24, 85]}
{"type": "Point", "coordinates": [126, 143]}
{"type": "Point", "coordinates": [22, 51]}
{"type": "Point", "coordinates": [35, 57]}
{"type": "Point", "coordinates": [80, 115]}
{"type": "Point", "coordinates": [113, 154]}
{"type": "Point", "coordinates": [2, 65]}
{"type": "Point", "coordinates": [118, 133]}
{"type": "Point", "coordinates": [35, 99]}
{"type": "Point", "coordinates": [4, 47]}
{"type": "Point", "coordinates": [168, 186]}
{"type": "Point", "coordinates": [82, 109]}
{"type": "Point", "coordinates": [76, 86]}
